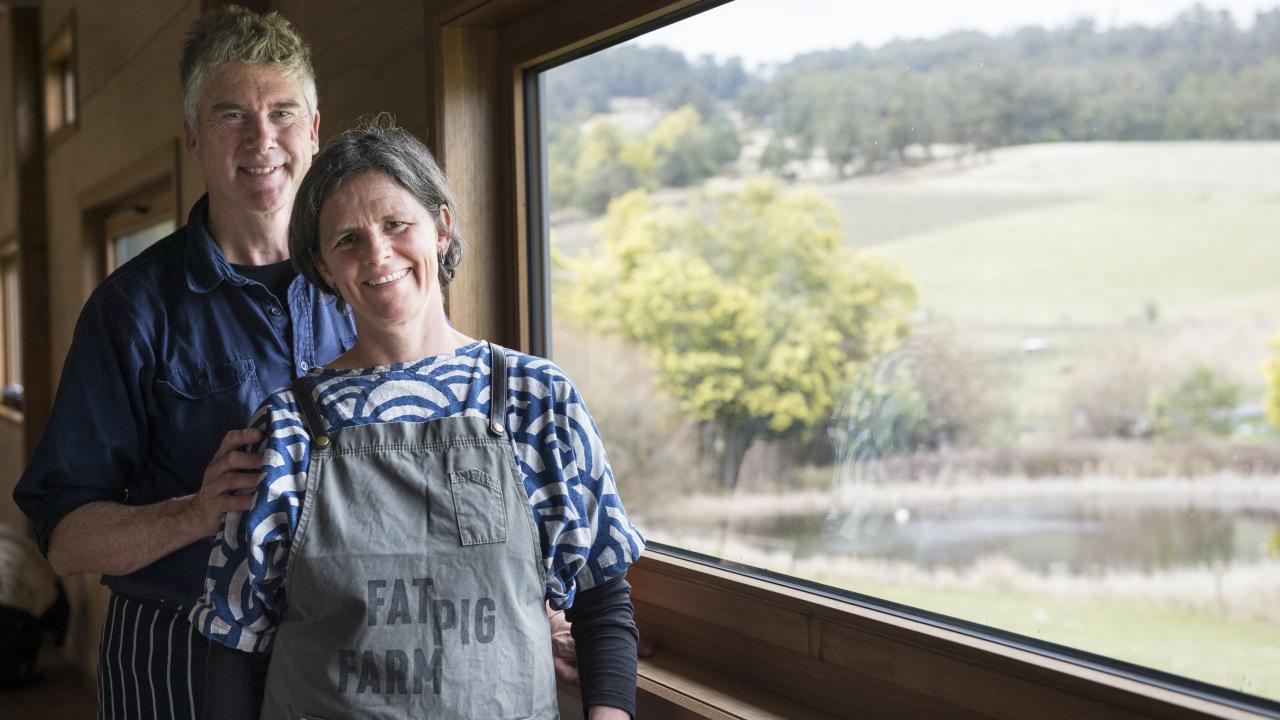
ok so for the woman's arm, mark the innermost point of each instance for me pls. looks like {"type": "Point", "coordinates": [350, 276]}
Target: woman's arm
{"type": "Point", "coordinates": [604, 630]}
{"type": "Point", "coordinates": [234, 683]}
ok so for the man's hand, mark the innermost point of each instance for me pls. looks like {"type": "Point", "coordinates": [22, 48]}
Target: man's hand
{"type": "Point", "coordinates": [564, 653]}
{"type": "Point", "coordinates": [111, 538]}
{"type": "Point", "coordinates": [230, 470]}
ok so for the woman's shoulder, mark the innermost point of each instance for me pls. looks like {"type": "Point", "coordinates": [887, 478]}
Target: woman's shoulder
{"type": "Point", "coordinates": [538, 375]}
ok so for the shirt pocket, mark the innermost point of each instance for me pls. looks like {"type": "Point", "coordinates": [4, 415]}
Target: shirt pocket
{"type": "Point", "coordinates": [197, 404]}
{"type": "Point", "coordinates": [480, 506]}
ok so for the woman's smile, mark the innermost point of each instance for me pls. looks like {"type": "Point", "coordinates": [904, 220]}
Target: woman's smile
{"type": "Point", "coordinates": [389, 277]}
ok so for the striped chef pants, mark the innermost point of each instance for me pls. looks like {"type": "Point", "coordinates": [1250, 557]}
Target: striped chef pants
{"type": "Point", "coordinates": [150, 663]}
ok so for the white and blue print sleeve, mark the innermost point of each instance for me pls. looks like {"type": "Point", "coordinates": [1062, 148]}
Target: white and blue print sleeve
{"type": "Point", "coordinates": [586, 535]}
{"type": "Point", "coordinates": [244, 585]}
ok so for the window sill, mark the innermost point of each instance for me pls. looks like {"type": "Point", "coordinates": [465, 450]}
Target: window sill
{"type": "Point", "coordinates": [11, 416]}
{"type": "Point", "coordinates": [733, 646]}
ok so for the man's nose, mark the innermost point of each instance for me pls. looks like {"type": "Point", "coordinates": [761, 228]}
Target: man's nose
{"type": "Point", "coordinates": [260, 133]}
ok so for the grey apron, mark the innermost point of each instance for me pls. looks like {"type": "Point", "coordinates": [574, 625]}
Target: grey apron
{"type": "Point", "coordinates": [415, 584]}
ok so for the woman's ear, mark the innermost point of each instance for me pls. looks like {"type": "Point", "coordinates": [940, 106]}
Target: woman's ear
{"type": "Point", "coordinates": [444, 228]}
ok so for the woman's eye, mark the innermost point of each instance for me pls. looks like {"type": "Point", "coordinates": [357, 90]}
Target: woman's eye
{"type": "Point", "coordinates": [394, 224]}
{"type": "Point", "coordinates": [344, 240]}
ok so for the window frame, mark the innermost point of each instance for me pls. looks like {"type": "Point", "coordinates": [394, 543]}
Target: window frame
{"type": "Point", "coordinates": [144, 192]}
{"type": "Point", "coordinates": [61, 62]}
{"type": "Point", "coordinates": [143, 209]}
{"type": "Point", "coordinates": [10, 259]}
{"type": "Point", "coordinates": [732, 645]}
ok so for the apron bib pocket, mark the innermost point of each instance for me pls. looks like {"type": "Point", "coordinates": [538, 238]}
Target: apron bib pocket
{"type": "Point", "coordinates": [480, 507]}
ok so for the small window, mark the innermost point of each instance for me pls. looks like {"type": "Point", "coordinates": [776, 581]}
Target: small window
{"type": "Point", "coordinates": [133, 226]}
{"type": "Point", "coordinates": [60, 87]}
{"type": "Point", "coordinates": [10, 330]}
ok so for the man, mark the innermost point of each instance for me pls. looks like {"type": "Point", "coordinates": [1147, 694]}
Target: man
{"type": "Point", "coordinates": [171, 355]}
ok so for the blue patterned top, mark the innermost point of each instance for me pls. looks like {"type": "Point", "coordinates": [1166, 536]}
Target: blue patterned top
{"type": "Point", "coordinates": [584, 531]}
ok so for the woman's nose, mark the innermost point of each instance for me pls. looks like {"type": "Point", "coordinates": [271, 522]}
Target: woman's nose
{"type": "Point", "coordinates": [377, 248]}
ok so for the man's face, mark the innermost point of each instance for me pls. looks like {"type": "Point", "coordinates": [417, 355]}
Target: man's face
{"type": "Point", "coordinates": [255, 139]}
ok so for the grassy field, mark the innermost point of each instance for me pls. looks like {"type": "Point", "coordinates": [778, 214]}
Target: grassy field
{"type": "Point", "coordinates": [1101, 261]}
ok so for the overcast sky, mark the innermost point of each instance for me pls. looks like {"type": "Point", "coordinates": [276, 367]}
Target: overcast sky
{"type": "Point", "coordinates": [770, 31]}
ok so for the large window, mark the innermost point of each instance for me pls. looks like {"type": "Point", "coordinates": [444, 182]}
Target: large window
{"type": "Point", "coordinates": [976, 315]}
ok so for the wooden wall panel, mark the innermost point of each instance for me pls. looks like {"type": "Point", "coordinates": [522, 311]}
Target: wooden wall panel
{"type": "Point", "coordinates": [110, 34]}
{"type": "Point", "coordinates": [472, 151]}
{"type": "Point", "coordinates": [369, 57]}
{"type": "Point", "coordinates": [8, 170]}
{"type": "Point", "coordinates": [135, 111]}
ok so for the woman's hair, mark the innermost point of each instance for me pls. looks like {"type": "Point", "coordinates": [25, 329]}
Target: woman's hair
{"type": "Point", "coordinates": [376, 145]}
{"type": "Point", "coordinates": [234, 35]}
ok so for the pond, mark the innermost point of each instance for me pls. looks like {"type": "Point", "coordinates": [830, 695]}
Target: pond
{"type": "Point", "coordinates": [1042, 536]}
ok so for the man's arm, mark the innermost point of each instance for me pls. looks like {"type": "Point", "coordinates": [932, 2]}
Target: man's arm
{"type": "Point", "coordinates": [111, 538]}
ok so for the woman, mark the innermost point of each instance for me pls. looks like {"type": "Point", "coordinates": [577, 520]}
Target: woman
{"type": "Point", "coordinates": [420, 497]}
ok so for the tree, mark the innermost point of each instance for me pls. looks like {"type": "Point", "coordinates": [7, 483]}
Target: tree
{"type": "Point", "coordinates": [686, 150]}
{"type": "Point", "coordinates": [756, 314]}
{"type": "Point", "coordinates": [603, 167]}
{"type": "Point", "coordinates": [1201, 402]}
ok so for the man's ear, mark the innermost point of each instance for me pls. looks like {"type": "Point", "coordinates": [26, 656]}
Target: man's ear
{"type": "Point", "coordinates": [193, 140]}
{"type": "Point", "coordinates": [315, 132]}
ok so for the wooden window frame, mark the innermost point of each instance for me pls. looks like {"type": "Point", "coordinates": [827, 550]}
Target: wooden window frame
{"type": "Point", "coordinates": [61, 60]}
{"type": "Point", "coordinates": [143, 209]}
{"type": "Point", "coordinates": [145, 192]}
{"type": "Point", "coordinates": [9, 257]}
{"type": "Point", "coordinates": [733, 644]}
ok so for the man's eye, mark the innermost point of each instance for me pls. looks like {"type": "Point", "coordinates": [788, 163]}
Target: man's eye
{"type": "Point", "coordinates": [284, 114]}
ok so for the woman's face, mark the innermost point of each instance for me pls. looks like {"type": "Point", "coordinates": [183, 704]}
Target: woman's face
{"type": "Point", "coordinates": [378, 249]}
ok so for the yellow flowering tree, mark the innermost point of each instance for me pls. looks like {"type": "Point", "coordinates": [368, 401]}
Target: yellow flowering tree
{"type": "Point", "coordinates": [755, 312]}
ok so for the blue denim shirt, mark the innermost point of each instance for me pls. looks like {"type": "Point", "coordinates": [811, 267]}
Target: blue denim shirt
{"type": "Point", "coordinates": [171, 351]}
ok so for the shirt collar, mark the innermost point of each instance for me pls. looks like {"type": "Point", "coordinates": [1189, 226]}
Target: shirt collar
{"type": "Point", "coordinates": [207, 267]}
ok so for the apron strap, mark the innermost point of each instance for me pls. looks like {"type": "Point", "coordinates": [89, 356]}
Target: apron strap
{"type": "Point", "coordinates": [310, 415]}
{"type": "Point", "coordinates": [497, 389]}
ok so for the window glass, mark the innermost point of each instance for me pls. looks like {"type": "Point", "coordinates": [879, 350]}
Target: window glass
{"type": "Point", "coordinates": [60, 81]}
{"type": "Point", "coordinates": [10, 334]}
{"type": "Point", "coordinates": [125, 246]}
{"type": "Point", "coordinates": [971, 308]}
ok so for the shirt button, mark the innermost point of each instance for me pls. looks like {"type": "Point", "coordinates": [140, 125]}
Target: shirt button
{"type": "Point", "coordinates": [275, 311]}
{"type": "Point", "coordinates": [304, 366]}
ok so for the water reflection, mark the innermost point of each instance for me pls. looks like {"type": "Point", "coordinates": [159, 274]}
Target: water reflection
{"type": "Point", "coordinates": [1048, 537]}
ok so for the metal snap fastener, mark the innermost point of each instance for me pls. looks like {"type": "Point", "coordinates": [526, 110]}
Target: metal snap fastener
{"type": "Point", "coordinates": [322, 441]}
{"type": "Point", "coordinates": [497, 427]}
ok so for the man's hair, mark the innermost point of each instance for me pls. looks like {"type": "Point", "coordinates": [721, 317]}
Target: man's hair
{"type": "Point", "coordinates": [234, 35]}
{"type": "Point", "coordinates": [376, 145]}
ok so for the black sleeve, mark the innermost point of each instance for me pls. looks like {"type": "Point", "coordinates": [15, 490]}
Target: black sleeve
{"type": "Point", "coordinates": [234, 683]}
{"type": "Point", "coordinates": [604, 632]}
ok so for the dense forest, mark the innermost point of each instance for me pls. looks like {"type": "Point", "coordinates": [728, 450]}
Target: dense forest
{"type": "Point", "coordinates": [1200, 76]}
